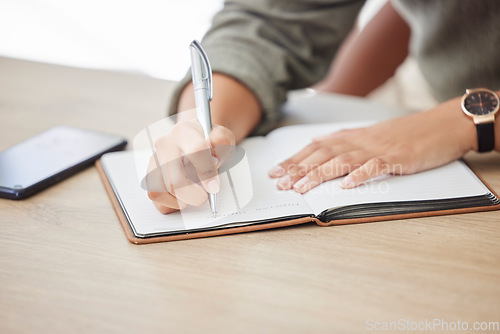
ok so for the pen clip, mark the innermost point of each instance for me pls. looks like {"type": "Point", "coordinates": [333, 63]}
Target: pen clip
{"type": "Point", "coordinates": [197, 46]}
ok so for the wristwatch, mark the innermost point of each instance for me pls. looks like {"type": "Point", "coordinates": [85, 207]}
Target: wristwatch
{"type": "Point", "coordinates": [481, 105]}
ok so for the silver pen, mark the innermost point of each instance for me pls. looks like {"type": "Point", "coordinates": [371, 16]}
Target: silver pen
{"type": "Point", "coordinates": [203, 91]}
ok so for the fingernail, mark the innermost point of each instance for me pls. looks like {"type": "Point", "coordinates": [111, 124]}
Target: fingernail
{"type": "Point", "coordinates": [277, 171]}
{"type": "Point", "coordinates": [285, 182]}
{"type": "Point", "coordinates": [301, 185]}
{"type": "Point", "coordinates": [213, 186]}
{"type": "Point", "coordinates": [346, 182]}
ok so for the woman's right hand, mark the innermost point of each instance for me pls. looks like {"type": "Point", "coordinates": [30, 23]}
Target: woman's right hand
{"type": "Point", "coordinates": [235, 113]}
{"type": "Point", "coordinates": [184, 168]}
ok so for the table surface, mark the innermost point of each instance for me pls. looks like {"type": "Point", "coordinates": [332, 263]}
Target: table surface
{"type": "Point", "coordinates": [66, 266]}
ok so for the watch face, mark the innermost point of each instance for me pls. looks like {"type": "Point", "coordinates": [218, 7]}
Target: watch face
{"type": "Point", "coordinates": [481, 103]}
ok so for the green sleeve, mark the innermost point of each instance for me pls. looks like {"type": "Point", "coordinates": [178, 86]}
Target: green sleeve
{"type": "Point", "coordinates": [275, 46]}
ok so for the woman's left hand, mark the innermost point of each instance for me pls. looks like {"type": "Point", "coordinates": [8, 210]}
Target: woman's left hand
{"type": "Point", "coordinates": [405, 145]}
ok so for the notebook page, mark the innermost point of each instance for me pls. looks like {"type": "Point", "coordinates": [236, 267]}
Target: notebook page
{"type": "Point", "coordinates": [266, 202]}
{"type": "Point", "coordinates": [287, 141]}
{"type": "Point", "coordinates": [453, 180]}
{"type": "Point", "coordinates": [450, 181]}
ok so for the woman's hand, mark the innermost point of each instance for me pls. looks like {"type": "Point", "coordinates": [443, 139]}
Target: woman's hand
{"type": "Point", "coordinates": [404, 145]}
{"type": "Point", "coordinates": [184, 168]}
{"type": "Point", "coordinates": [236, 111]}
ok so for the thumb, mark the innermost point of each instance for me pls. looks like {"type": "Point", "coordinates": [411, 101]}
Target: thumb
{"type": "Point", "coordinates": [223, 143]}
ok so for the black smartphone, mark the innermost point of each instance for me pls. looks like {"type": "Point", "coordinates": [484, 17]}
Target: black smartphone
{"type": "Point", "coordinates": [51, 156]}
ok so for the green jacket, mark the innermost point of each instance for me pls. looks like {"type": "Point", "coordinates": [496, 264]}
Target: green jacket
{"type": "Point", "coordinates": [273, 46]}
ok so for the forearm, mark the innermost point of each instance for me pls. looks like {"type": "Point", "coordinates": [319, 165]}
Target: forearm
{"type": "Point", "coordinates": [234, 106]}
{"type": "Point", "coordinates": [368, 58]}
{"type": "Point", "coordinates": [267, 47]}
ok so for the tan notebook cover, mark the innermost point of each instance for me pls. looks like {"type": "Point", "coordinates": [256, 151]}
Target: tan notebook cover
{"type": "Point", "coordinates": [263, 226]}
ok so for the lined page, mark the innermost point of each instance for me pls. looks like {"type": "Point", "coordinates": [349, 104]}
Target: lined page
{"type": "Point", "coordinates": [450, 181]}
{"type": "Point", "coordinates": [265, 202]}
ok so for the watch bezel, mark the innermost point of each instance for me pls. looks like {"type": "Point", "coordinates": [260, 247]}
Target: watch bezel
{"type": "Point", "coordinates": [479, 119]}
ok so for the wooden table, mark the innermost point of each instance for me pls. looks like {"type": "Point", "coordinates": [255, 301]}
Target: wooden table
{"type": "Point", "coordinates": [66, 266]}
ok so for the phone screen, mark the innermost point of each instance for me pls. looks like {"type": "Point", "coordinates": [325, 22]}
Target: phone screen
{"type": "Point", "coordinates": [51, 156]}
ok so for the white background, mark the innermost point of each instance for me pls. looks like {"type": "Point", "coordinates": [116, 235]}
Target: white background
{"type": "Point", "coordinates": [146, 36]}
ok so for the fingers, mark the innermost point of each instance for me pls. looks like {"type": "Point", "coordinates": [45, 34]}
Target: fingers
{"type": "Point", "coordinates": [357, 172]}
{"type": "Point", "coordinates": [396, 146]}
{"type": "Point", "coordinates": [157, 192]}
{"type": "Point", "coordinates": [163, 209]}
{"type": "Point", "coordinates": [190, 140]}
{"type": "Point", "coordinates": [372, 168]}
{"type": "Point", "coordinates": [281, 169]}
{"type": "Point", "coordinates": [297, 171]}
{"type": "Point", "coordinates": [223, 143]}
{"type": "Point", "coordinates": [165, 199]}
{"type": "Point", "coordinates": [183, 158]}
{"type": "Point", "coordinates": [340, 165]}
{"type": "Point", "coordinates": [221, 136]}
{"type": "Point", "coordinates": [323, 161]}
{"type": "Point", "coordinates": [154, 181]}
{"type": "Point", "coordinates": [315, 152]}
{"type": "Point", "coordinates": [205, 155]}
{"type": "Point", "coordinates": [170, 159]}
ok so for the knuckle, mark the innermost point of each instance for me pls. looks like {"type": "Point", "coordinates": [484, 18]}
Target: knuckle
{"type": "Point", "coordinates": [219, 139]}
{"type": "Point", "coordinates": [162, 209]}
{"type": "Point", "coordinates": [179, 183]}
{"type": "Point", "coordinates": [345, 158]}
{"type": "Point", "coordinates": [377, 166]}
{"type": "Point", "coordinates": [344, 163]}
{"type": "Point", "coordinates": [153, 196]}
{"type": "Point", "coordinates": [162, 142]}
{"type": "Point", "coordinates": [222, 136]}
{"type": "Point", "coordinates": [315, 145]}
{"type": "Point", "coordinates": [345, 132]}
{"type": "Point", "coordinates": [165, 209]}
{"type": "Point", "coordinates": [326, 151]}
{"type": "Point", "coordinates": [327, 172]}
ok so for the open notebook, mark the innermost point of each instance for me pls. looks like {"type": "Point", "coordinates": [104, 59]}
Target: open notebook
{"type": "Point", "coordinates": [453, 188]}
